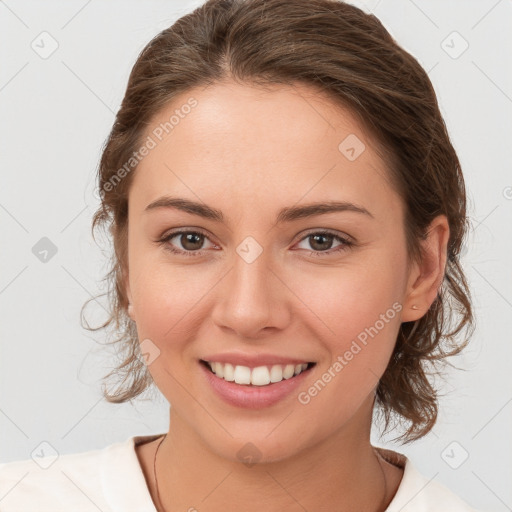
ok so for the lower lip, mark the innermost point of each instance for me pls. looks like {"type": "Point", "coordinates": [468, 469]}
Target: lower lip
{"type": "Point", "coordinates": [253, 397]}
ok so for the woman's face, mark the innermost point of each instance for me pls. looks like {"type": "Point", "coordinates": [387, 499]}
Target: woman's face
{"type": "Point", "coordinates": [257, 278]}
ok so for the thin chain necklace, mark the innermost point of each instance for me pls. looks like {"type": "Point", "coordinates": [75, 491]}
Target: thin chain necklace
{"type": "Point", "coordinates": [156, 480]}
{"type": "Point", "coordinates": [379, 456]}
{"type": "Point", "coordinates": [384, 498]}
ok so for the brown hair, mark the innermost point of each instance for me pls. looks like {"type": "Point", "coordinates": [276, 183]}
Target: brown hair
{"type": "Point", "coordinates": [348, 55]}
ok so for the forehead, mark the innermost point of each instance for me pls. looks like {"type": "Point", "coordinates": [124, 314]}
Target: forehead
{"type": "Point", "coordinates": [282, 142]}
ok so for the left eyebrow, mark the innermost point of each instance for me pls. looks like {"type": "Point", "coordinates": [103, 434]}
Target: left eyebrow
{"type": "Point", "coordinates": [309, 210]}
{"type": "Point", "coordinates": [287, 214]}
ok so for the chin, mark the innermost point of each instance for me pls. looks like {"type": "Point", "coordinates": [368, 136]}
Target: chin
{"type": "Point", "coordinates": [260, 445]}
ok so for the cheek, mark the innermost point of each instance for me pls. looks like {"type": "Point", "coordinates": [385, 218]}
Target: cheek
{"type": "Point", "coordinates": [168, 314]}
{"type": "Point", "coordinates": [344, 301]}
{"type": "Point", "coordinates": [357, 317]}
{"type": "Point", "coordinates": [169, 299]}
{"type": "Point", "coordinates": [359, 355]}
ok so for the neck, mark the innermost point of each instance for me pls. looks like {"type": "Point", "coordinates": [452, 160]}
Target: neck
{"type": "Point", "coordinates": [342, 472]}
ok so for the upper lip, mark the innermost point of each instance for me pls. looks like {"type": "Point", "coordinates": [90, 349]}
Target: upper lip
{"type": "Point", "coordinates": [253, 361]}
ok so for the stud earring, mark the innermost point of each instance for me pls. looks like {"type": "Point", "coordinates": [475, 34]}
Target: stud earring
{"type": "Point", "coordinates": [414, 306]}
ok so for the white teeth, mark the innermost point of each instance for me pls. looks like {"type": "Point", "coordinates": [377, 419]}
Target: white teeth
{"type": "Point", "coordinates": [276, 373]}
{"type": "Point", "coordinates": [229, 372]}
{"type": "Point", "coordinates": [218, 369]}
{"type": "Point", "coordinates": [288, 371]}
{"type": "Point", "coordinates": [242, 375]}
{"type": "Point", "coordinates": [259, 376]}
{"type": "Point", "coordinates": [300, 368]}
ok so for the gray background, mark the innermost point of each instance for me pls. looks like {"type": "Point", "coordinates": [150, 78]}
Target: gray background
{"type": "Point", "coordinates": [56, 114]}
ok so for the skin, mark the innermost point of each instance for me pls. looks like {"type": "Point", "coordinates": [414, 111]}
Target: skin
{"type": "Point", "coordinates": [250, 152]}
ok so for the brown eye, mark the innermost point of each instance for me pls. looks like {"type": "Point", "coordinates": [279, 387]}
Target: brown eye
{"type": "Point", "coordinates": [187, 243]}
{"type": "Point", "coordinates": [321, 243]}
{"type": "Point", "coordinates": [191, 241]}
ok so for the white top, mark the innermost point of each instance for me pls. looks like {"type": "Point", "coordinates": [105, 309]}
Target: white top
{"type": "Point", "coordinates": [111, 480]}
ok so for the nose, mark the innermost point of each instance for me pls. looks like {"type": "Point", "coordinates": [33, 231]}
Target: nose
{"type": "Point", "coordinates": [251, 299]}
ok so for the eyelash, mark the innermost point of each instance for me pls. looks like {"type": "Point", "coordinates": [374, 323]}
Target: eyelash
{"type": "Point", "coordinates": [345, 243]}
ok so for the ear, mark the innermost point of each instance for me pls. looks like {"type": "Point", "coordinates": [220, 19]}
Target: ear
{"type": "Point", "coordinates": [426, 277]}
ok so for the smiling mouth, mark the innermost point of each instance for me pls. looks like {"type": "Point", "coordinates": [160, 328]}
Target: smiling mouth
{"type": "Point", "coordinates": [258, 376]}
